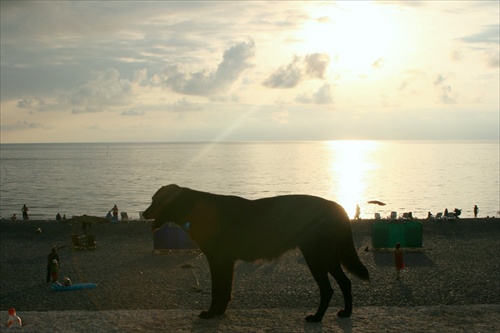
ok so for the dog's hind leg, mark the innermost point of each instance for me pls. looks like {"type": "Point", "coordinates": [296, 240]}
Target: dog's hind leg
{"type": "Point", "coordinates": [319, 270]}
{"type": "Point", "coordinates": [345, 286]}
{"type": "Point", "coordinates": [221, 271]}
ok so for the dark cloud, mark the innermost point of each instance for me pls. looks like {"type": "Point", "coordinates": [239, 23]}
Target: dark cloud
{"type": "Point", "coordinates": [235, 61]}
{"type": "Point", "coordinates": [312, 66]}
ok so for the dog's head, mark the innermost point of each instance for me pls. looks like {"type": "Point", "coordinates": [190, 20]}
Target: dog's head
{"type": "Point", "coordinates": [163, 207]}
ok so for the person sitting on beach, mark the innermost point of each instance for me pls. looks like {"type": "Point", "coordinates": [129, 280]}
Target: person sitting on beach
{"type": "Point", "coordinates": [13, 217]}
{"type": "Point", "coordinates": [58, 217]}
{"type": "Point", "coordinates": [446, 212]}
{"type": "Point", "coordinates": [398, 259]}
{"type": "Point", "coordinates": [13, 319]}
{"type": "Point", "coordinates": [115, 212]}
{"type": "Point", "coordinates": [66, 282]}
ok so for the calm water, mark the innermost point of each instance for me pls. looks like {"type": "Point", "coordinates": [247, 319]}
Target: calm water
{"type": "Point", "coordinates": [90, 178]}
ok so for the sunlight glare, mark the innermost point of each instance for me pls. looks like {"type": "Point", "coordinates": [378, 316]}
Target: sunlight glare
{"type": "Point", "coordinates": [349, 163]}
{"type": "Point", "coordinates": [355, 34]}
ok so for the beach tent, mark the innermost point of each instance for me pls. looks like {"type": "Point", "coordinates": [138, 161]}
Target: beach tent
{"type": "Point", "coordinates": [170, 236]}
{"type": "Point", "coordinates": [387, 234]}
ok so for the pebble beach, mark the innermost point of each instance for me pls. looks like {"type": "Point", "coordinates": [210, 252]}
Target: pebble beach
{"type": "Point", "coordinates": [450, 284]}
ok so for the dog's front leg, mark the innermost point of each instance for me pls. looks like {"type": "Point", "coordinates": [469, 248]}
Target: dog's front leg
{"type": "Point", "coordinates": [221, 271]}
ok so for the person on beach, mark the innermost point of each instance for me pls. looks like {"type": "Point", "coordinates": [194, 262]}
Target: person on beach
{"type": "Point", "coordinates": [115, 212]}
{"type": "Point", "coordinates": [476, 210]}
{"type": "Point", "coordinates": [398, 259]}
{"type": "Point", "coordinates": [358, 212]}
{"type": "Point", "coordinates": [58, 217]}
{"type": "Point", "coordinates": [51, 257]}
{"type": "Point", "coordinates": [54, 270]}
{"type": "Point", "coordinates": [25, 212]}
{"type": "Point", "coordinates": [13, 217]}
{"type": "Point", "coordinates": [446, 212]}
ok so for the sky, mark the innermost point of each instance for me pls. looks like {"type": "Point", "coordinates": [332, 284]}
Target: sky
{"type": "Point", "coordinates": [166, 71]}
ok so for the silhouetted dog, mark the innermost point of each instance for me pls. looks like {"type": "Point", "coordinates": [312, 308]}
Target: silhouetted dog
{"type": "Point", "coordinates": [230, 228]}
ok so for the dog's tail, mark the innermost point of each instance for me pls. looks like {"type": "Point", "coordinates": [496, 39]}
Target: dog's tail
{"type": "Point", "coordinates": [349, 258]}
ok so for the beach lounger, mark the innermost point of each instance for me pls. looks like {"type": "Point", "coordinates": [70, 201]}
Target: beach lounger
{"type": "Point", "coordinates": [124, 216]}
{"type": "Point", "coordinates": [394, 215]}
{"type": "Point", "coordinates": [377, 216]}
{"type": "Point", "coordinates": [439, 216]}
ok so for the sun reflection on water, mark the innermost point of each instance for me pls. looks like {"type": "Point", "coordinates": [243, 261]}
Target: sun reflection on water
{"type": "Point", "coordinates": [350, 161]}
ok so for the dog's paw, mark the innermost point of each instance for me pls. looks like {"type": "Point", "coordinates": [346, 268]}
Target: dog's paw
{"type": "Point", "coordinates": [206, 315]}
{"type": "Point", "coordinates": [344, 314]}
{"type": "Point", "coordinates": [313, 319]}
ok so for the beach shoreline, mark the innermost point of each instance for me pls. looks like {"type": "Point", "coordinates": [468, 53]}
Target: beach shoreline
{"type": "Point", "coordinates": [453, 277]}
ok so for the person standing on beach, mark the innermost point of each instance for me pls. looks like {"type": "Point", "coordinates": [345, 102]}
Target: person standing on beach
{"type": "Point", "coordinates": [50, 259]}
{"type": "Point", "coordinates": [54, 270]}
{"type": "Point", "coordinates": [476, 210]}
{"type": "Point", "coordinates": [398, 259]}
{"type": "Point", "coordinates": [358, 212]}
{"type": "Point", "coordinates": [25, 212]}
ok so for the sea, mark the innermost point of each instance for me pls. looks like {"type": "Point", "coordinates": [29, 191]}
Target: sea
{"type": "Point", "coordinates": [407, 176]}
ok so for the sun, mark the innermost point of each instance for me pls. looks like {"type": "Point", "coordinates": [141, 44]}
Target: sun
{"type": "Point", "coordinates": [357, 35]}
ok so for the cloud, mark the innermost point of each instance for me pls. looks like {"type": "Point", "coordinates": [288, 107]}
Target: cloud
{"type": "Point", "coordinates": [489, 35]}
{"type": "Point", "coordinates": [488, 39]}
{"type": "Point", "coordinates": [87, 109]}
{"type": "Point", "coordinates": [106, 89]}
{"type": "Point", "coordinates": [235, 61]}
{"type": "Point", "coordinates": [324, 95]}
{"type": "Point", "coordinates": [25, 103]}
{"type": "Point", "coordinates": [22, 125]}
{"type": "Point", "coordinates": [378, 63]}
{"type": "Point", "coordinates": [133, 112]}
{"type": "Point", "coordinates": [184, 105]}
{"type": "Point", "coordinates": [312, 66]}
{"type": "Point", "coordinates": [447, 97]}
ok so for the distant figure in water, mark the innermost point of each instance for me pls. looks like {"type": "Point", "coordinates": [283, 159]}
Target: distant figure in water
{"type": "Point", "coordinates": [398, 259]}
{"type": "Point", "coordinates": [358, 212]}
{"type": "Point", "coordinates": [476, 210]}
{"type": "Point", "coordinates": [25, 212]}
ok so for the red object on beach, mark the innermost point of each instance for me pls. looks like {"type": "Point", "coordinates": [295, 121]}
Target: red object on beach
{"type": "Point", "coordinates": [376, 202]}
{"type": "Point", "coordinates": [13, 318]}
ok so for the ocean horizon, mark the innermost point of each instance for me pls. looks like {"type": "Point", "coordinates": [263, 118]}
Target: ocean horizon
{"type": "Point", "coordinates": [409, 176]}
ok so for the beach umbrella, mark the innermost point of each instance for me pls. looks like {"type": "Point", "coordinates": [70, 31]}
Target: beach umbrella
{"type": "Point", "coordinates": [376, 202]}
